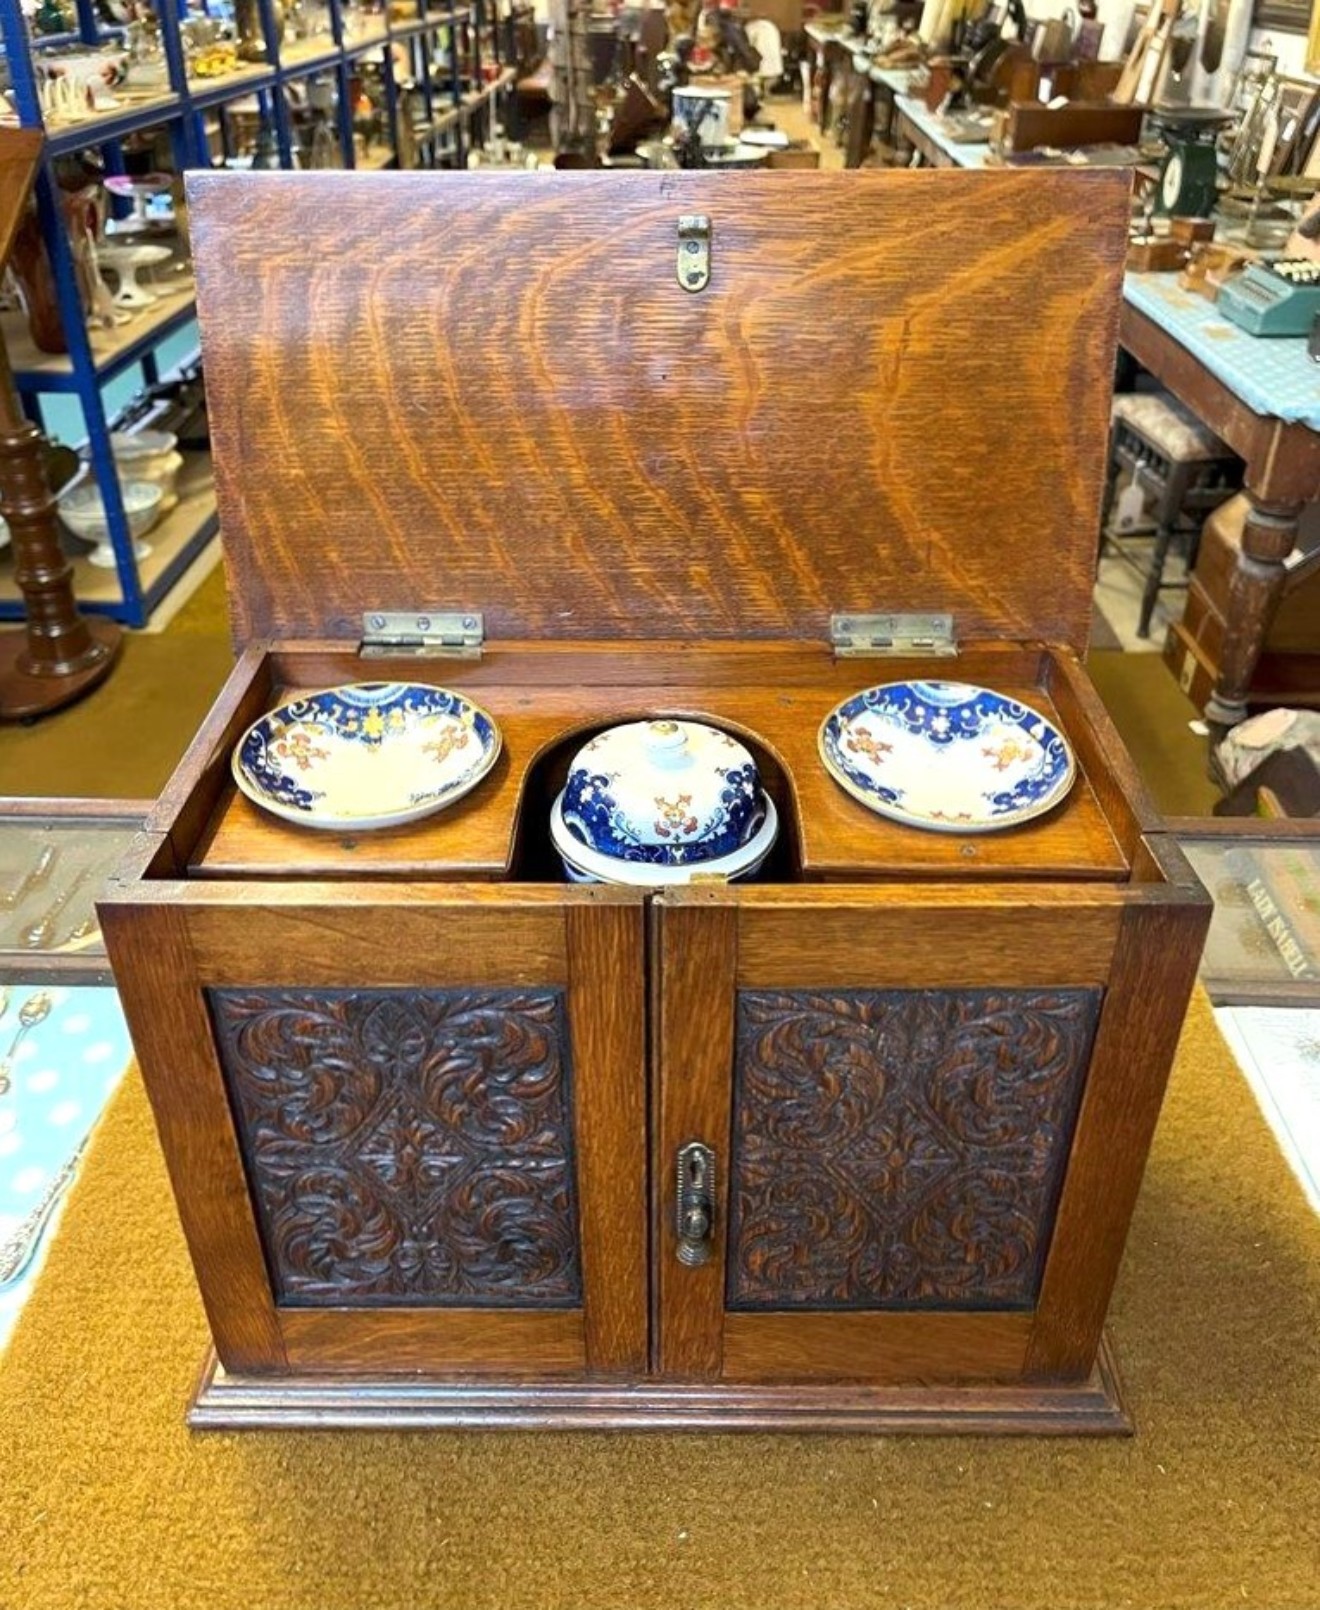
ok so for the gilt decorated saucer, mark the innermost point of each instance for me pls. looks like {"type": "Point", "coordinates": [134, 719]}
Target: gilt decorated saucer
{"type": "Point", "coordinates": [371, 754]}
{"type": "Point", "coordinates": [947, 756]}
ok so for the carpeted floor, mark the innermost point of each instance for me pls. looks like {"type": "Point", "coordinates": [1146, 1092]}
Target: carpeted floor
{"type": "Point", "coordinates": [125, 739]}
{"type": "Point", "coordinates": [105, 1500]}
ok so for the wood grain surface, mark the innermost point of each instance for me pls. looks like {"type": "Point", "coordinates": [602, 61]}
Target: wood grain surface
{"type": "Point", "coordinates": [692, 1098]}
{"type": "Point", "coordinates": [1093, 1407]}
{"type": "Point", "coordinates": [156, 973]}
{"type": "Point", "coordinates": [490, 393]}
{"type": "Point", "coordinates": [607, 1008]}
{"type": "Point", "coordinates": [875, 1347]}
{"type": "Point", "coordinates": [465, 1341]}
{"type": "Point", "coordinates": [1153, 973]}
{"type": "Point", "coordinates": [20, 151]}
{"type": "Point", "coordinates": [172, 944]}
{"type": "Point", "coordinates": [776, 698]}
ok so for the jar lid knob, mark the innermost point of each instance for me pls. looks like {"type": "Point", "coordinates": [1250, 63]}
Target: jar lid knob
{"type": "Point", "coordinates": [665, 737]}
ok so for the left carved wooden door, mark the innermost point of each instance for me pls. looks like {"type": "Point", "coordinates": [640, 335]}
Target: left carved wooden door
{"type": "Point", "coordinates": [405, 1128]}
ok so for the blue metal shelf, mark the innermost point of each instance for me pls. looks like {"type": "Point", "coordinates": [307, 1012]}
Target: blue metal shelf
{"type": "Point", "coordinates": [114, 125]}
{"type": "Point", "coordinates": [306, 66]}
{"type": "Point", "coordinates": [179, 110]}
{"type": "Point", "coordinates": [55, 377]}
{"type": "Point", "coordinates": [233, 87]}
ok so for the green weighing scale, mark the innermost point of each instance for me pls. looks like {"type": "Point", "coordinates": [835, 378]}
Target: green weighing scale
{"type": "Point", "coordinates": [1187, 186]}
{"type": "Point", "coordinates": [1279, 298]}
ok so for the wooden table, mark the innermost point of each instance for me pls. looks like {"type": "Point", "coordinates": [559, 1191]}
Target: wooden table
{"type": "Point", "coordinates": [1254, 395]}
{"type": "Point", "coordinates": [931, 137]}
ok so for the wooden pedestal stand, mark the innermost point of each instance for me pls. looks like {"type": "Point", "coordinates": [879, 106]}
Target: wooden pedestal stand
{"type": "Point", "coordinates": [59, 655]}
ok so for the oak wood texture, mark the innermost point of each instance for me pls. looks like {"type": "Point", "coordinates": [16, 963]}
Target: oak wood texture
{"type": "Point", "coordinates": [1158, 951]}
{"type": "Point", "coordinates": [1142, 943]}
{"type": "Point", "coordinates": [1027, 125]}
{"type": "Point", "coordinates": [590, 450]}
{"type": "Point", "coordinates": [156, 973]}
{"type": "Point", "coordinates": [891, 1348]}
{"type": "Point", "coordinates": [945, 937]}
{"type": "Point", "coordinates": [468, 1341]}
{"type": "Point", "coordinates": [692, 1097]}
{"type": "Point", "coordinates": [607, 964]}
{"type": "Point", "coordinates": [776, 696]}
{"type": "Point", "coordinates": [170, 943]}
{"type": "Point", "coordinates": [310, 1402]}
{"type": "Point", "coordinates": [203, 772]}
{"type": "Point", "coordinates": [657, 500]}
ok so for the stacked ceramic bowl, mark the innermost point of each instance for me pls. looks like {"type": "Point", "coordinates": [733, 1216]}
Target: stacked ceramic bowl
{"type": "Point", "coordinates": [660, 802]}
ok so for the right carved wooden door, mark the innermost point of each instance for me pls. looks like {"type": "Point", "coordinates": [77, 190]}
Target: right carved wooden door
{"type": "Point", "coordinates": [880, 1125]}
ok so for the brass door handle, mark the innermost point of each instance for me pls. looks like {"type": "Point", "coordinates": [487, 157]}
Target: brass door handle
{"type": "Point", "coordinates": [695, 1203]}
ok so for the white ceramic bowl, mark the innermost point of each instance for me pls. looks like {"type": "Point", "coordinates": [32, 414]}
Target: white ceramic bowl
{"type": "Point", "coordinates": [83, 511]}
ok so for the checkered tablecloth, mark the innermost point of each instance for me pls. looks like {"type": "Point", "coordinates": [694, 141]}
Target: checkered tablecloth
{"type": "Point", "coordinates": [1271, 374]}
{"type": "Point", "coordinates": [57, 1077]}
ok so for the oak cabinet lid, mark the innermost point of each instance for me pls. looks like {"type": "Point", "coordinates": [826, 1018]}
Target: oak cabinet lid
{"type": "Point", "coordinates": [492, 393]}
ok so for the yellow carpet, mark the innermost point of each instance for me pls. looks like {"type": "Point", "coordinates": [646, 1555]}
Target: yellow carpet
{"type": "Point", "coordinates": [106, 1501]}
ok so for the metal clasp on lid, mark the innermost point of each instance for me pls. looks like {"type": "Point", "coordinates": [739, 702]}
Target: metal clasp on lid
{"type": "Point", "coordinates": [694, 251]}
{"type": "Point", "coordinates": [892, 636]}
{"type": "Point", "coordinates": [422, 633]}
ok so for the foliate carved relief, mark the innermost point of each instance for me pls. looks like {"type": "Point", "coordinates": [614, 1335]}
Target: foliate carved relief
{"type": "Point", "coordinates": [901, 1148]}
{"type": "Point", "coordinates": [407, 1147]}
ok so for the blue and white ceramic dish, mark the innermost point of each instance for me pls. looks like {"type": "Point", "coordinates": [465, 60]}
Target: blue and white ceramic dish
{"type": "Point", "coordinates": [668, 793]}
{"type": "Point", "coordinates": [946, 756]}
{"type": "Point", "coordinates": [652, 803]}
{"type": "Point", "coordinates": [372, 754]}
{"type": "Point", "coordinates": [582, 865]}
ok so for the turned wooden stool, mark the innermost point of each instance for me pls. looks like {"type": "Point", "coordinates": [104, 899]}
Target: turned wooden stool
{"type": "Point", "coordinates": [1184, 465]}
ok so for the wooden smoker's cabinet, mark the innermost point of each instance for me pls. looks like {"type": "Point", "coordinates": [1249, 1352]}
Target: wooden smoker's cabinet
{"type": "Point", "coordinates": [423, 1102]}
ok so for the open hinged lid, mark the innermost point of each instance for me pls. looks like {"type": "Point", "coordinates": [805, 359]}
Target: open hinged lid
{"type": "Point", "coordinates": [493, 393]}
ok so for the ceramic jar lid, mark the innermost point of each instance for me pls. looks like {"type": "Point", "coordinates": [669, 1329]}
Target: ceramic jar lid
{"type": "Point", "coordinates": [665, 792]}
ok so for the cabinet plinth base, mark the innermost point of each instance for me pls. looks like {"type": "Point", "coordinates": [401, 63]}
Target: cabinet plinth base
{"type": "Point", "coordinates": [394, 1402]}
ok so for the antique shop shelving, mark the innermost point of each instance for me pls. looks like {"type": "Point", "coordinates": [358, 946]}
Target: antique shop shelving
{"type": "Point", "coordinates": [193, 114]}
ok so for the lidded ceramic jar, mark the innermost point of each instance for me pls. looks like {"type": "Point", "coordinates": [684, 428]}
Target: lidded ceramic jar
{"type": "Point", "coordinates": [655, 801]}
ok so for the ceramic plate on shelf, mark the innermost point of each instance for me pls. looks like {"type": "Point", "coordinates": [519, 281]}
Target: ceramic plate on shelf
{"type": "Point", "coordinates": [947, 756]}
{"type": "Point", "coordinates": [371, 754]}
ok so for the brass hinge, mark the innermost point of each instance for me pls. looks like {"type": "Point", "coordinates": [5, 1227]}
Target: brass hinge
{"type": "Point", "coordinates": [423, 634]}
{"type": "Point", "coordinates": [893, 636]}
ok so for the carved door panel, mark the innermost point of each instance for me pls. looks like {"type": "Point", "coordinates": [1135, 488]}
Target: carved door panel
{"type": "Point", "coordinates": [888, 1082]}
{"type": "Point", "coordinates": [413, 1130]}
